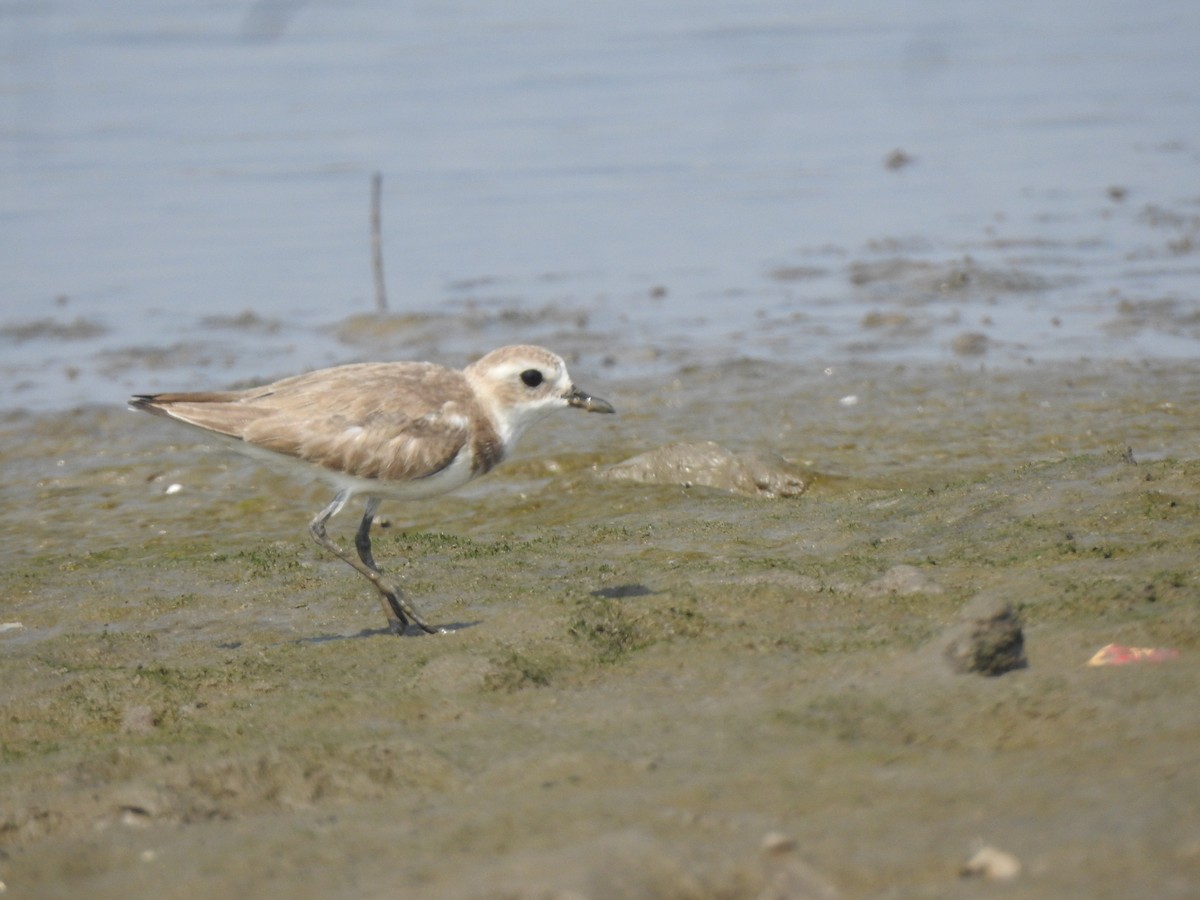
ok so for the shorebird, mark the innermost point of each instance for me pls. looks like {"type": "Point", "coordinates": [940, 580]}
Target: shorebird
{"type": "Point", "coordinates": [405, 430]}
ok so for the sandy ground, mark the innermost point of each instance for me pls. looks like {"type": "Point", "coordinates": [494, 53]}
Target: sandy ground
{"type": "Point", "coordinates": [648, 691]}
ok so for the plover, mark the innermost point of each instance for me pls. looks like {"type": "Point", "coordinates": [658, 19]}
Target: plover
{"type": "Point", "coordinates": [406, 430]}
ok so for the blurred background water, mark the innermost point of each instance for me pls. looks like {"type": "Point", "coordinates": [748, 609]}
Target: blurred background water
{"type": "Point", "coordinates": [184, 187]}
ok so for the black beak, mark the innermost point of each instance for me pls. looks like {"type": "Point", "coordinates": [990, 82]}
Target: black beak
{"type": "Point", "coordinates": [586, 401]}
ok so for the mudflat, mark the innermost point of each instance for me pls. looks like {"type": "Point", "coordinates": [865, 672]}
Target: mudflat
{"type": "Point", "coordinates": [649, 690]}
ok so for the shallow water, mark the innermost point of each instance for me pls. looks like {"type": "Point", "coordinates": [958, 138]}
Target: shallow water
{"type": "Point", "coordinates": [185, 191]}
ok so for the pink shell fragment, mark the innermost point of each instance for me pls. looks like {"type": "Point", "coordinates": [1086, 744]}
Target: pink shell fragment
{"type": "Point", "coordinates": [1119, 655]}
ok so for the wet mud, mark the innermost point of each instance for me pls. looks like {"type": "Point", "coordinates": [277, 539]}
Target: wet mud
{"type": "Point", "coordinates": [648, 690]}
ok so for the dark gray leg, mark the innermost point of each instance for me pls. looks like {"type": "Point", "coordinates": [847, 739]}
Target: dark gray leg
{"type": "Point", "coordinates": [362, 540]}
{"type": "Point", "coordinates": [396, 609]}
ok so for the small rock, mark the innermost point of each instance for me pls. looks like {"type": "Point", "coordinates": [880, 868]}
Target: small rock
{"type": "Point", "coordinates": [135, 817]}
{"type": "Point", "coordinates": [993, 864]}
{"type": "Point", "coordinates": [775, 842]}
{"type": "Point", "coordinates": [138, 805]}
{"type": "Point", "coordinates": [988, 639]}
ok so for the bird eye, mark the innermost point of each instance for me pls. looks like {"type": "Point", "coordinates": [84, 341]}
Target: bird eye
{"type": "Point", "coordinates": [532, 378]}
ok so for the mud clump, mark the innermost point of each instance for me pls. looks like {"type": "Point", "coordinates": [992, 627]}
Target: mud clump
{"type": "Point", "coordinates": [921, 280]}
{"type": "Point", "coordinates": [987, 640]}
{"type": "Point", "coordinates": [51, 329]}
{"type": "Point", "coordinates": [710, 465]}
{"type": "Point", "coordinates": [970, 343]}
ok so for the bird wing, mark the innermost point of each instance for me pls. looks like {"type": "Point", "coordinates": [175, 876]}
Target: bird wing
{"type": "Point", "coordinates": [390, 421]}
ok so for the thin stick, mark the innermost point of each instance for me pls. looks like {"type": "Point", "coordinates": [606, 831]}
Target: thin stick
{"type": "Point", "coordinates": [377, 241]}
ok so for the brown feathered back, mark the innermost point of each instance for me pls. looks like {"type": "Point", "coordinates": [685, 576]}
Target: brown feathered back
{"type": "Point", "coordinates": [390, 421]}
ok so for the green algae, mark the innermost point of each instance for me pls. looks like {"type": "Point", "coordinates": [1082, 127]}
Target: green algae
{"type": "Point", "coordinates": [194, 678]}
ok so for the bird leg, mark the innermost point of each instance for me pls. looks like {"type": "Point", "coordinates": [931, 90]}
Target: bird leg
{"type": "Point", "coordinates": [362, 539]}
{"type": "Point", "coordinates": [392, 599]}
{"type": "Point", "coordinates": [396, 609]}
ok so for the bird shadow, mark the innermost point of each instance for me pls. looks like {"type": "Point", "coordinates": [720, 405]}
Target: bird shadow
{"type": "Point", "coordinates": [622, 591]}
{"type": "Point", "coordinates": [410, 631]}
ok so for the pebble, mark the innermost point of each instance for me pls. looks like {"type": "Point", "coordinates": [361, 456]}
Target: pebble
{"type": "Point", "coordinates": [991, 863]}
